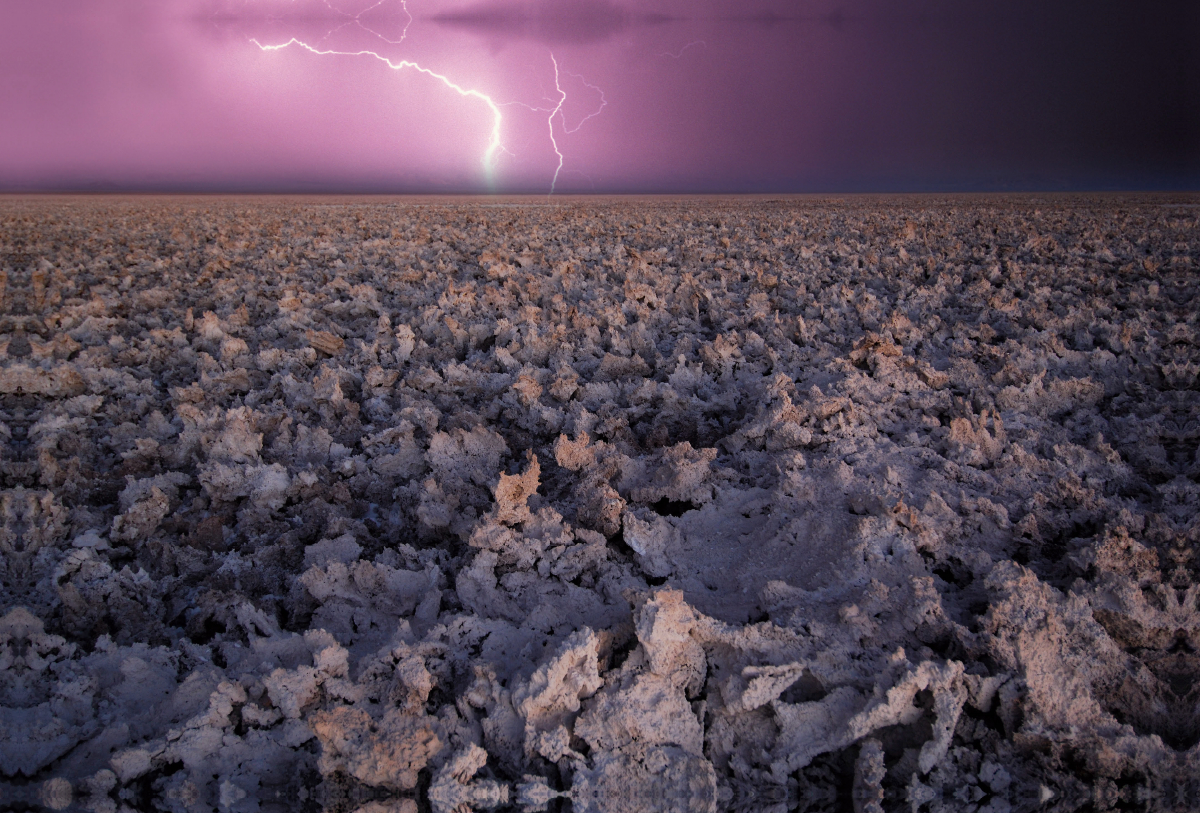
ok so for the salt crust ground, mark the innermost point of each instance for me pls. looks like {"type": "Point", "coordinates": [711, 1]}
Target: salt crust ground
{"type": "Point", "coordinates": [652, 505]}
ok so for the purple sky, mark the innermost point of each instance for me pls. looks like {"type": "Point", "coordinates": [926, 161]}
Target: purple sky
{"type": "Point", "coordinates": [652, 96]}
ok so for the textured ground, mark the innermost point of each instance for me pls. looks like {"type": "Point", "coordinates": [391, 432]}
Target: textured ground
{"type": "Point", "coordinates": [599, 505]}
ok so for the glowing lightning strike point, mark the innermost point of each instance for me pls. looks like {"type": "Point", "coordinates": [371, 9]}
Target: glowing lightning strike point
{"type": "Point", "coordinates": [494, 146]}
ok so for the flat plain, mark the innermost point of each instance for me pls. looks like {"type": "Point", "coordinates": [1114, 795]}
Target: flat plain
{"type": "Point", "coordinates": [754, 504]}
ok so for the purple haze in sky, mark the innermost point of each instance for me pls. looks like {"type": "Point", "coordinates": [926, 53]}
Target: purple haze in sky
{"type": "Point", "coordinates": [652, 96]}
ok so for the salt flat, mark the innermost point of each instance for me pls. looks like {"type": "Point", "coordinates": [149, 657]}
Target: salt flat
{"type": "Point", "coordinates": [688, 504]}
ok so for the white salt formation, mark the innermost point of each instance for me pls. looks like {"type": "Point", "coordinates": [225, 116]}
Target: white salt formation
{"type": "Point", "coordinates": [602, 506]}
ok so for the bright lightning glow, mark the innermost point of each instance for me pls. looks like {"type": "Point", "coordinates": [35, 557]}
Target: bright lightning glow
{"type": "Point", "coordinates": [493, 147]}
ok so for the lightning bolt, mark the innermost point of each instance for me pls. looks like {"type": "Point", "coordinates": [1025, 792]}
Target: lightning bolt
{"type": "Point", "coordinates": [596, 112]}
{"type": "Point", "coordinates": [557, 111]}
{"type": "Point", "coordinates": [494, 145]}
{"type": "Point", "coordinates": [701, 43]}
{"type": "Point", "coordinates": [356, 19]}
{"type": "Point", "coordinates": [562, 97]}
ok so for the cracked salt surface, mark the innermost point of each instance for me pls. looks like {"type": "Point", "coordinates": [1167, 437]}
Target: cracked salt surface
{"type": "Point", "coordinates": [754, 505]}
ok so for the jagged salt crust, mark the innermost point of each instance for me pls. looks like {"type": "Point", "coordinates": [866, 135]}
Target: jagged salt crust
{"type": "Point", "coordinates": [635, 505]}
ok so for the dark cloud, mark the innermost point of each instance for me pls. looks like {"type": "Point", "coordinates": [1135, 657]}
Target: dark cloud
{"type": "Point", "coordinates": [548, 22]}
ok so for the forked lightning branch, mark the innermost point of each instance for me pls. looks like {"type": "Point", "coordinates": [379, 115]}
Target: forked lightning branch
{"type": "Point", "coordinates": [494, 142]}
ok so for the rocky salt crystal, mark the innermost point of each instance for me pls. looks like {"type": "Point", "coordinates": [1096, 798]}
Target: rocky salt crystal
{"type": "Point", "coordinates": [671, 505]}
